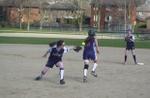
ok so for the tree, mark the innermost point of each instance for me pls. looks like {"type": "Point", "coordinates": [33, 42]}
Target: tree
{"type": "Point", "coordinates": [19, 4]}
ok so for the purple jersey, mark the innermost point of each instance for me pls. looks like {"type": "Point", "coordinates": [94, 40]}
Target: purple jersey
{"type": "Point", "coordinates": [130, 42]}
{"type": "Point", "coordinates": [90, 49]}
{"type": "Point", "coordinates": [55, 56]}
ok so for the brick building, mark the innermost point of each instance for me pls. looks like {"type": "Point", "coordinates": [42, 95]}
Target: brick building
{"type": "Point", "coordinates": [113, 15]}
{"type": "Point", "coordinates": [25, 11]}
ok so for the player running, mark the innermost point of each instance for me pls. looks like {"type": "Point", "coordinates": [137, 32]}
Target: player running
{"type": "Point", "coordinates": [90, 53]}
{"type": "Point", "coordinates": [55, 58]}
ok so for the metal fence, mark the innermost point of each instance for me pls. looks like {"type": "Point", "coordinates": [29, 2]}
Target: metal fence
{"type": "Point", "coordinates": [114, 35]}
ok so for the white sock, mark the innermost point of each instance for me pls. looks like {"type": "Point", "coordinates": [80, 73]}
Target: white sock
{"type": "Point", "coordinates": [94, 67]}
{"type": "Point", "coordinates": [41, 75]}
{"type": "Point", "coordinates": [85, 72]}
{"type": "Point", "coordinates": [61, 74]}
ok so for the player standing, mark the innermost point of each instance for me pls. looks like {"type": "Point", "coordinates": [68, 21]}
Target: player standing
{"type": "Point", "coordinates": [130, 45]}
{"type": "Point", "coordinates": [90, 53]}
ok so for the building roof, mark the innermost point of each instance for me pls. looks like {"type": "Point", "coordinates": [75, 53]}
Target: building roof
{"type": "Point", "coordinates": [116, 2]}
{"type": "Point", "coordinates": [144, 8]}
{"type": "Point", "coordinates": [148, 18]}
{"type": "Point", "coordinates": [60, 6]}
{"type": "Point", "coordinates": [143, 11]}
{"type": "Point", "coordinates": [50, 4]}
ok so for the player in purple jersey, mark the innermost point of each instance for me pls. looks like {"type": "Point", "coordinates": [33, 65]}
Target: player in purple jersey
{"type": "Point", "coordinates": [55, 58]}
{"type": "Point", "coordinates": [130, 45]}
{"type": "Point", "coordinates": [90, 53]}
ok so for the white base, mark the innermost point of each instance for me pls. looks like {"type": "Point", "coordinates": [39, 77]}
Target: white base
{"type": "Point", "coordinates": [140, 63]}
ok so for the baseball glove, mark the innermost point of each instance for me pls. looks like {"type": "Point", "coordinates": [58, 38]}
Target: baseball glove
{"type": "Point", "coordinates": [77, 48]}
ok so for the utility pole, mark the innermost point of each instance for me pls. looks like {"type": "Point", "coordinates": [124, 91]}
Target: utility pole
{"type": "Point", "coordinates": [125, 15]}
{"type": "Point", "coordinates": [81, 15]}
{"type": "Point", "coordinates": [28, 25]}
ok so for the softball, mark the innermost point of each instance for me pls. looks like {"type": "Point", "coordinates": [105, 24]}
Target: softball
{"type": "Point", "coordinates": [83, 43]}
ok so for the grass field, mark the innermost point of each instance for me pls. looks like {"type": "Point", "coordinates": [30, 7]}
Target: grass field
{"type": "Point", "coordinates": [102, 42]}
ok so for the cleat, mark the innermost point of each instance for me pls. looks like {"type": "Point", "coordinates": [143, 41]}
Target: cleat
{"type": "Point", "coordinates": [93, 73]}
{"type": "Point", "coordinates": [62, 82]}
{"type": "Point", "coordinates": [84, 79]}
{"type": "Point", "coordinates": [124, 63]}
{"type": "Point", "coordinates": [38, 78]}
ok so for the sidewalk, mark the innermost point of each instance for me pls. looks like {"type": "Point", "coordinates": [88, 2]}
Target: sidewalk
{"type": "Point", "coordinates": [69, 36]}
{"type": "Point", "coordinates": [42, 35]}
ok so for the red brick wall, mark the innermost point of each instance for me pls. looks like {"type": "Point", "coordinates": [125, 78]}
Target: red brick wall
{"type": "Point", "coordinates": [13, 15]}
{"type": "Point", "coordinates": [102, 17]}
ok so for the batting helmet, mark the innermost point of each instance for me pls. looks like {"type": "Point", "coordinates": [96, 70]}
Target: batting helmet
{"type": "Point", "coordinates": [91, 33]}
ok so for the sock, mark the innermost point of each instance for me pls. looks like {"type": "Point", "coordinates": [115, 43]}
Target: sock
{"type": "Point", "coordinates": [61, 74]}
{"type": "Point", "coordinates": [42, 73]}
{"type": "Point", "coordinates": [125, 58]}
{"type": "Point", "coordinates": [85, 72]}
{"type": "Point", "coordinates": [134, 57]}
{"type": "Point", "coordinates": [94, 67]}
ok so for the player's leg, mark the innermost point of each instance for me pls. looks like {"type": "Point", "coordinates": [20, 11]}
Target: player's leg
{"type": "Point", "coordinates": [85, 70]}
{"type": "Point", "coordinates": [61, 72]}
{"type": "Point", "coordinates": [49, 65]}
{"type": "Point", "coordinates": [93, 72]}
{"type": "Point", "coordinates": [125, 56]}
{"type": "Point", "coordinates": [134, 55]}
{"type": "Point", "coordinates": [43, 72]}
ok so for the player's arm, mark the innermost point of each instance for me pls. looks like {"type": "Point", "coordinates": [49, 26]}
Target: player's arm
{"type": "Point", "coordinates": [75, 48]}
{"type": "Point", "coordinates": [126, 38]}
{"type": "Point", "coordinates": [133, 38]}
{"type": "Point", "coordinates": [97, 47]}
{"type": "Point", "coordinates": [66, 49]}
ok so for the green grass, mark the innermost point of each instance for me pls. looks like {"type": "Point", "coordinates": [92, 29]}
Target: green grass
{"type": "Point", "coordinates": [102, 42]}
{"type": "Point", "coordinates": [23, 40]}
{"type": "Point", "coordinates": [121, 43]}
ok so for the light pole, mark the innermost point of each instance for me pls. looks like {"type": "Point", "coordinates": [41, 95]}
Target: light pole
{"type": "Point", "coordinates": [125, 15]}
{"type": "Point", "coordinates": [29, 10]}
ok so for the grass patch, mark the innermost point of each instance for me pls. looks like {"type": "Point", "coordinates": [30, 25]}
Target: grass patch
{"type": "Point", "coordinates": [24, 40]}
{"type": "Point", "coordinates": [102, 42]}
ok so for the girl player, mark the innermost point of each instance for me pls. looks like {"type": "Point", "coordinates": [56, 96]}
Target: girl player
{"type": "Point", "coordinates": [90, 53]}
{"type": "Point", "coordinates": [130, 45]}
{"type": "Point", "coordinates": [55, 58]}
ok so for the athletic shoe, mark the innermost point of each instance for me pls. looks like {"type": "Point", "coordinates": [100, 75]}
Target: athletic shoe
{"type": "Point", "coordinates": [62, 81]}
{"type": "Point", "coordinates": [38, 78]}
{"type": "Point", "coordinates": [84, 79]}
{"type": "Point", "coordinates": [93, 73]}
{"type": "Point", "coordinates": [124, 63]}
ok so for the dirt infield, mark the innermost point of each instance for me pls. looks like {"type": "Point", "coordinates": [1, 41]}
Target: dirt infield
{"type": "Point", "coordinates": [20, 64]}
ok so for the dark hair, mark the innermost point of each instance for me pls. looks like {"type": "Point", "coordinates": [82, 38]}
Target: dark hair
{"type": "Point", "coordinates": [59, 43]}
{"type": "Point", "coordinates": [91, 33]}
{"type": "Point", "coordinates": [51, 44]}
{"type": "Point", "coordinates": [89, 39]}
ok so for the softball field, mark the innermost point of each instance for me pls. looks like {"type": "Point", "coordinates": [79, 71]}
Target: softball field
{"type": "Point", "coordinates": [20, 64]}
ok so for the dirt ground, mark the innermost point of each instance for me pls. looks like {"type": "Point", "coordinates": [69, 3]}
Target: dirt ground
{"type": "Point", "coordinates": [20, 64]}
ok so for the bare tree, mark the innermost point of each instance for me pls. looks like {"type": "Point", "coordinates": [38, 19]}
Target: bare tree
{"type": "Point", "coordinates": [79, 4]}
{"type": "Point", "coordinates": [29, 10]}
{"type": "Point", "coordinates": [19, 4]}
{"type": "Point", "coordinates": [22, 5]}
